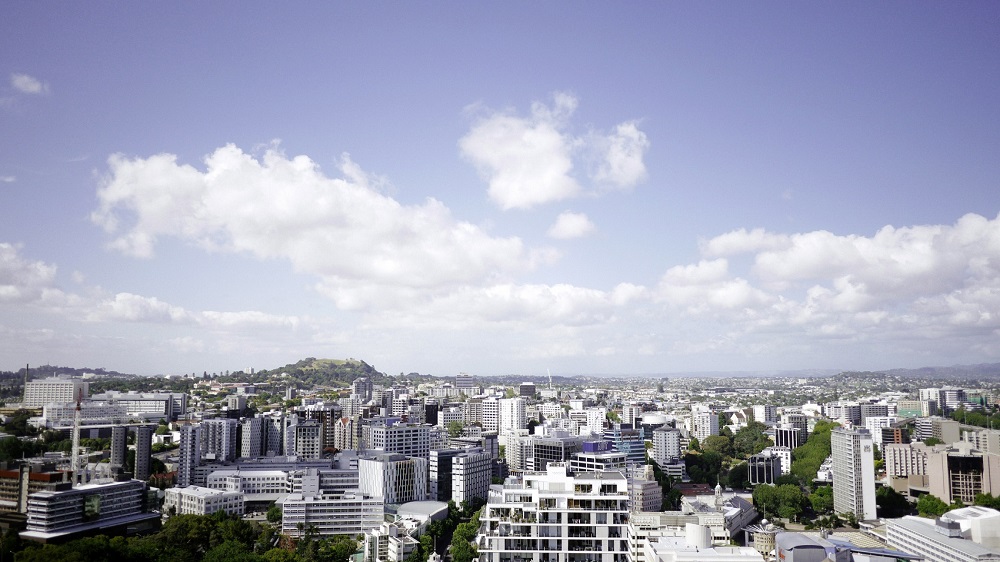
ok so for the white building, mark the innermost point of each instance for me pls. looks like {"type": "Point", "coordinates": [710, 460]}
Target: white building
{"type": "Point", "coordinates": [552, 516]}
{"type": "Point", "coordinates": [491, 414]}
{"type": "Point", "coordinates": [853, 472]}
{"type": "Point", "coordinates": [347, 513]}
{"type": "Point", "coordinates": [954, 537]}
{"type": "Point", "coordinates": [190, 454]}
{"type": "Point", "coordinates": [666, 445]}
{"type": "Point", "coordinates": [406, 439]}
{"type": "Point", "coordinates": [219, 439]}
{"type": "Point", "coordinates": [704, 423]}
{"type": "Point", "coordinates": [58, 390]}
{"type": "Point", "coordinates": [54, 515]}
{"type": "Point", "coordinates": [512, 414]}
{"type": "Point", "coordinates": [393, 477]}
{"type": "Point", "coordinates": [195, 500]}
{"type": "Point", "coordinates": [471, 475]}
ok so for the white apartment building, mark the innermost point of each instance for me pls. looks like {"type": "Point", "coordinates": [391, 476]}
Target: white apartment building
{"type": "Point", "coordinates": [219, 439]}
{"type": "Point", "coordinates": [853, 472]}
{"type": "Point", "coordinates": [393, 477]}
{"type": "Point", "coordinates": [345, 434]}
{"type": "Point", "coordinates": [555, 517]}
{"type": "Point", "coordinates": [471, 475]}
{"type": "Point", "coordinates": [875, 424]}
{"type": "Point", "coordinates": [190, 454]}
{"type": "Point", "coordinates": [704, 423]}
{"type": "Point", "coordinates": [195, 500]}
{"type": "Point", "coordinates": [58, 390]}
{"type": "Point", "coordinates": [765, 413]}
{"type": "Point", "coordinates": [406, 439]}
{"type": "Point", "coordinates": [491, 414]}
{"type": "Point", "coordinates": [666, 445]}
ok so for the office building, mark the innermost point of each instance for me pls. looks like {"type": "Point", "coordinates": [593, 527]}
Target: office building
{"type": "Point", "coordinates": [853, 472]}
{"type": "Point", "coordinates": [219, 439]}
{"type": "Point", "coordinates": [393, 477]}
{"type": "Point", "coordinates": [61, 390]}
{"type": "Point", "coordinates": [90, 509]}
{"type": "Point", "coordinates": [195, 500]}
{"type": "Point", "coordinates": [412, 440]}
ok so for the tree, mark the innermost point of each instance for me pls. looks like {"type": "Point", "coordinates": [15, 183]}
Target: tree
{"type": "Point", "coordinates": [890, 503]}
{"type": "Point", "coordinates": [719, 444]}
{"type": "Point", "coordinates": [274, 514]}
{"type": "Point", "coordinates": [931, 441]}
{"type": "Point", "coordinates": [822, 500]}
{"type": "Point", "coordinates": [455, 428]}
{"type": "Point", "coordinates": [931, 506]}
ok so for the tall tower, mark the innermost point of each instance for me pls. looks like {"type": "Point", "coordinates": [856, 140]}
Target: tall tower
{"type": "Point", "coordinates": [119, 445]}
{"type": "Point", "coordinates": [853, 472]}
{"type": "Point", "coordinates": [190, 454]}
{"type": "Point", "coordinates": [143, 451]}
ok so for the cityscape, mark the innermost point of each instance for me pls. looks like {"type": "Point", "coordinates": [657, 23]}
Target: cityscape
{"type": "Point", "coordinates": [647, 281]}
{"type": "Point", "coordinates": [333, 460]}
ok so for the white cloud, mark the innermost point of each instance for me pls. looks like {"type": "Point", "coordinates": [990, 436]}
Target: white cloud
{"type": "Point", "coordinates": [342, 230]}
{"type": "Point", "coordinates": [623, 151]}
{"type": "Point", "coordinates": [912, 288]}
{"type": "Point", "coordinates": [22, 280]}
{"type": "Point", "coordinates": [8, 179]}
{"type": "Point", "coordinates": [28, 84]}
{"type": "Point", "coordinates": [570, 225]}
{"type": "Point", "coordinates": [529, 161]}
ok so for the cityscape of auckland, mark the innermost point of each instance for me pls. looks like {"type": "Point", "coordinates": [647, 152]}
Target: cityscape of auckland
{"type": "Point", "coordinates": [500, 282]}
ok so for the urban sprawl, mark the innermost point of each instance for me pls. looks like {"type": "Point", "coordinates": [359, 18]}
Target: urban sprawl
{"type": "Point", "coordinates": [363, 466]}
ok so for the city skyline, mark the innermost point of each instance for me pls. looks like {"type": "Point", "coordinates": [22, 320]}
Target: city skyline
{"type": "Point", "coordinates": [494, 189]}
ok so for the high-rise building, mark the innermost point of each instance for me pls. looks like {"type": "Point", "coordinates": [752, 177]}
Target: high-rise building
{"type": "Point", "coordinates": [666, 445]}
{"type": "Point", "coordinates": [251, 435]}
{"type": "Point", "coordinates": [362, 388]}
{"type": "Point", "coordinates": [512, 414]}
{"type": "Point", "coordinates": [309, 439]}
{"type": "Point", "coordinates": [704, 423]}
{"type": "Point", "coordinates": [190, 454]}
{"type": "Point", "coordinates": [219, 439]}
{"type": "Point", "coordinates": [629, 440]}
{"type": "Point", "coordinates": [406, 439]}
{"type": "Point", "coordinates": [853, 472]}
{"type": "Point", "coordinates": [143, 451]}
{"type": "Point", "coordinates": [395, 478]}
{"type": "Point", "coordinates": [491, 414]}
{"type": "Point", "coordinates": [526, 390]}
{"type": "Point", "coordinates": [119, 445]}
{"type": "Point", "coordinates": [471, 475]}
{"type": "Point", "coordinates": [765, 413]}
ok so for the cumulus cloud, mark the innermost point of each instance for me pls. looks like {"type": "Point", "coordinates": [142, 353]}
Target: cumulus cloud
{"type": "Point", "coordinates": [529, 161]}
{"type": "Point", "coordinates": [906, 285]}
{"type": "Point", "coordinates": [28, 84]}
{"type": "Point", "coordinates": [22, 280]}
{"type": "Point", "coordinates": [570, 225]}
{"type": "Point", "coordinates": [8, 179]}
{"type": "Point", "coordinates": [621, 164]}
{"type": "Point", "coordinates": [342, 230]}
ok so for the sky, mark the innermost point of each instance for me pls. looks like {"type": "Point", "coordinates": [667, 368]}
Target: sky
{"type": "Point", "coordinates": [500, 187]}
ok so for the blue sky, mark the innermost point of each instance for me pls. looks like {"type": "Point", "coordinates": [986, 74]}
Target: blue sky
{"type": "Point", "coordinates": [606, 188]}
